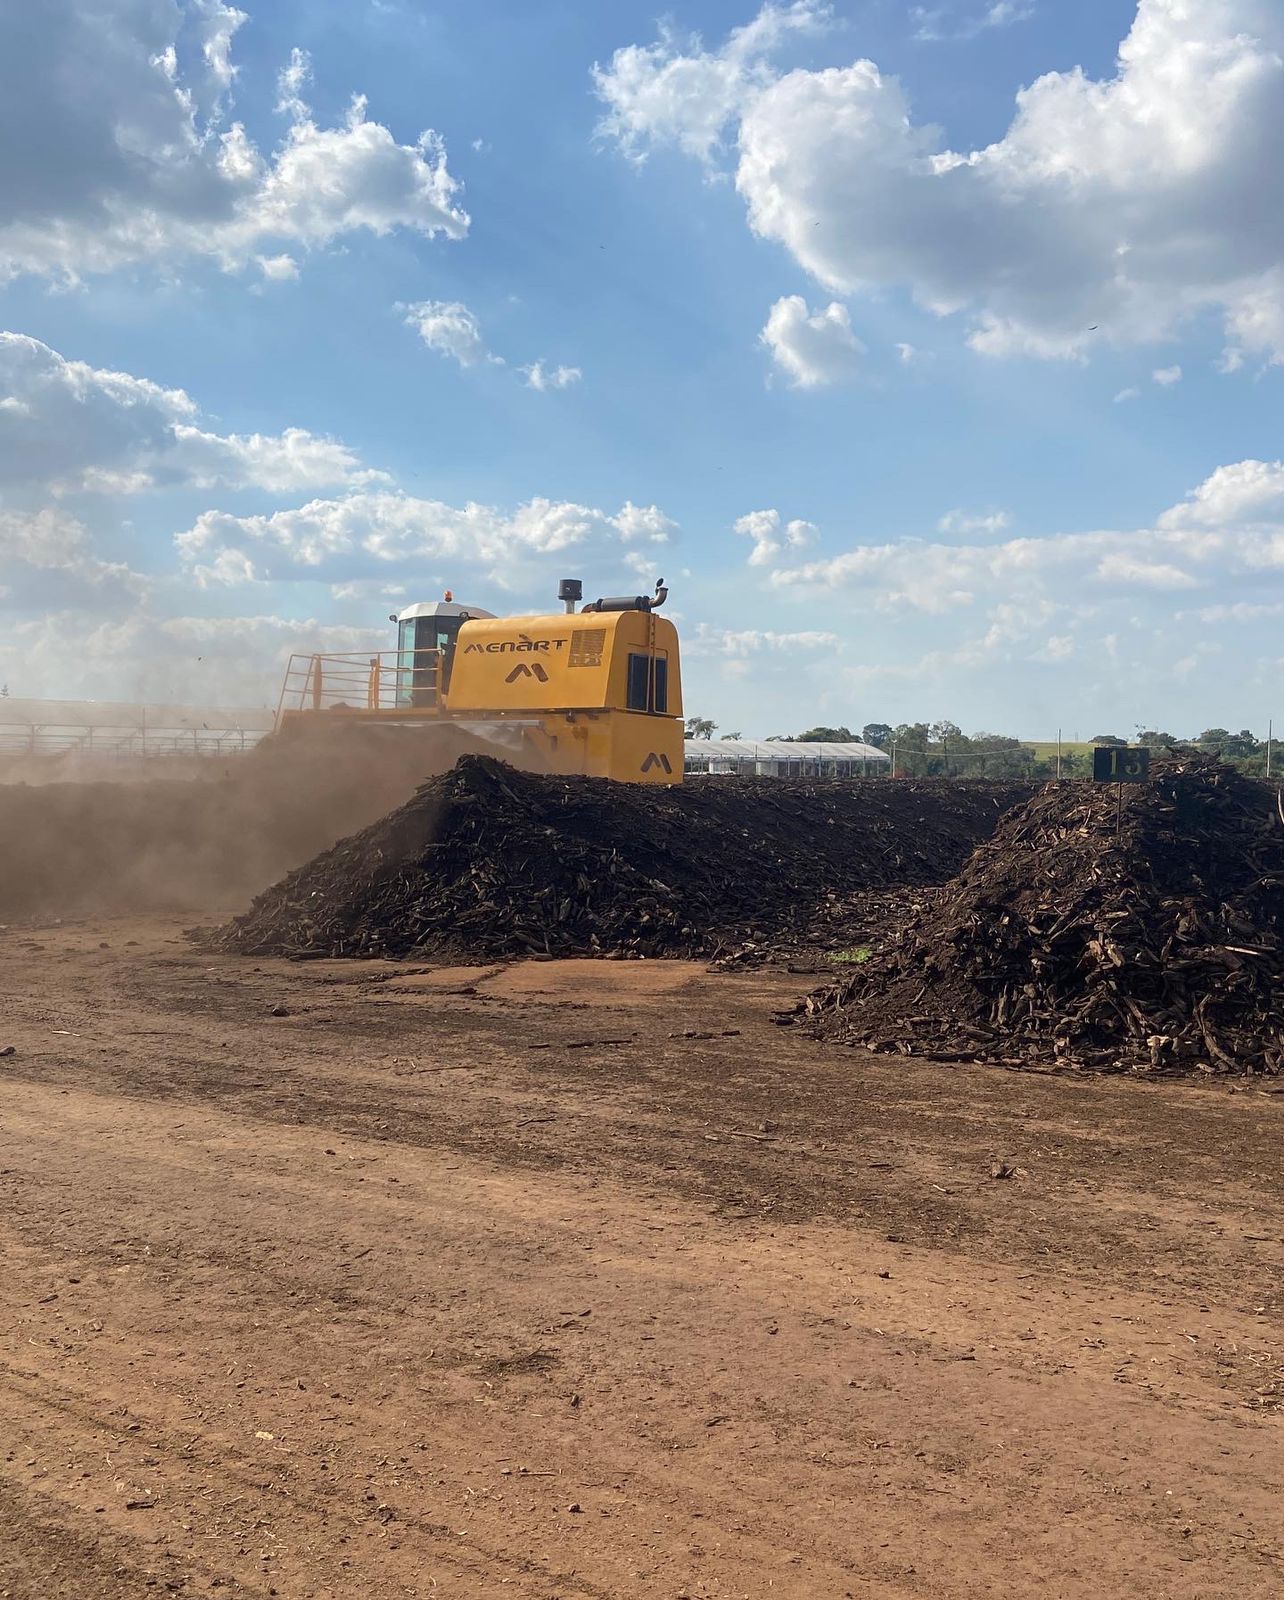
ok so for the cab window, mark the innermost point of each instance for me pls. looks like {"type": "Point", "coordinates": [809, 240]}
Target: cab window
{"type": "Point", "coordinates": [648, 686]}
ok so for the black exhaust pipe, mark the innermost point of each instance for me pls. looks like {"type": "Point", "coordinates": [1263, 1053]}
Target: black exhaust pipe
{"type": "Point", "coordinates": [631, 602]}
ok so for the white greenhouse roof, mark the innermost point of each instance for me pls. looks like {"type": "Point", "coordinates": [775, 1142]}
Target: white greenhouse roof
{"type": "Point", "coordinates": [778, 750]}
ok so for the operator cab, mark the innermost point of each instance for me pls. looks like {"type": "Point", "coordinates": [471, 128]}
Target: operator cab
{"type": "Point", "coordinates": [426, 637]}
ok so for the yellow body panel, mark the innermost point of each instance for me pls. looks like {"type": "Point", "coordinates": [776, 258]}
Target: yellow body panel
{"type": "Point", "coordinates": [625, 746]}
{"type": "Point", "coordinates": [554, 691]}
{"type": "Point", "coordinates": [576, 662]}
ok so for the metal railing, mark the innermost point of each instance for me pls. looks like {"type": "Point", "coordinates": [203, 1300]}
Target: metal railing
{"type": "Point", "coordinates": [389, 680]}
{"type": "Point", "coordinates": [37, 739]}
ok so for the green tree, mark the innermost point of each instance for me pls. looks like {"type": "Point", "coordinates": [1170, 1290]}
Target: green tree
{"type": "Point", "coordinates": [1231, 746]}
{"type": "Point", "coordinates": [952, 741]}
{"type": "Point", "coordinates": [911, 740]}
{"type": "Point", "coordinates": [879, 733]}
{"type": "Point", "coordinates": [1074, 764]}
{"type": "Point", "coordinates": [1107, 738]}
{"type": "Point", "coordinates": [995, 755]}
{"type": "Point", "coordinates": [819, 736]}
{"type": "Point", "coordinates": [700, 728]}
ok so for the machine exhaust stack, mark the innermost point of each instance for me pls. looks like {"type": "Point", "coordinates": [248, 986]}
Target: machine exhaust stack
{"type": "Point", "coordinates": [632, 602]}
{"type": "Point", "coordinates": [569, 591]}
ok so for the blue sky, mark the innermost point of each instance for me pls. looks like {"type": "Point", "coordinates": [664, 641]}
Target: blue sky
{"type": "Point", "coordinates": [929, 401]}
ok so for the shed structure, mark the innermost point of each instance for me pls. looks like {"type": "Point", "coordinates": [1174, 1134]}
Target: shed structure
{"type": "Point", "coordinates": [773, 758]}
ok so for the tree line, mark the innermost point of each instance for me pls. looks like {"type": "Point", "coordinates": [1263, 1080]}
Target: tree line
{"type": "Point", "coordinates": [941, 749]}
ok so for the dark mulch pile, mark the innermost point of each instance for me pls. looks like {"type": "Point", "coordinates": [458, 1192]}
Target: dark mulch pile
{"type": "Point", "coordinates": [1156, 946]}
{"type": "Point", "coordinates": [485, 861]}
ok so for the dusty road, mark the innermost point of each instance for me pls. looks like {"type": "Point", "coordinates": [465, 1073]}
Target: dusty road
{"type": "Point", "coordinates": [476, 1283]}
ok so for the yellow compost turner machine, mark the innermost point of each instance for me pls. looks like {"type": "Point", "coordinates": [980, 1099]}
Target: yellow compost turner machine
{"type": "Point", "coordinates": [595, 690]}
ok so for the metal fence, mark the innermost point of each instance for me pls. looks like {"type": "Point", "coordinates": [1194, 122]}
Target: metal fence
{"type": "Point", "coordinates": [107, 729]}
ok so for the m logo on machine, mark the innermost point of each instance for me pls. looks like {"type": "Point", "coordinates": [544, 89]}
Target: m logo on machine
{"type": "Point", "coordinates": [523, 671]}
{"type": "Point", "coordinates": [654, 760]}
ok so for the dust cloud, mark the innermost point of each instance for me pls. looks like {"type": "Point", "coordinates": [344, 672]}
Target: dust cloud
{"type": "Point", "coordinates": [212, 840]}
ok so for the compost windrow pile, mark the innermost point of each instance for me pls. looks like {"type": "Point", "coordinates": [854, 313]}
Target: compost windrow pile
{"type": "Point", "coordinates": [1105, 936]}
{"type": "Point", "coordinates": [485, 861]}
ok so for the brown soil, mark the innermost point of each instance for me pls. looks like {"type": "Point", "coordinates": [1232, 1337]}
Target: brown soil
{"type": "Point", "coordinates": [539, 1281]}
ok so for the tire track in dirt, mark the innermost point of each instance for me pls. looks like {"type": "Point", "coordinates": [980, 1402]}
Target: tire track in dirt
{"type": "Point", "coordinates": [233, 1225]}
{"type": "Point", "coordinates": [660, 1411]}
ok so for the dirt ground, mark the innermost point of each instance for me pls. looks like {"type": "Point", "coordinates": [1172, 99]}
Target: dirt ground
{"type": "Point", "coordinates": [586, 1280]}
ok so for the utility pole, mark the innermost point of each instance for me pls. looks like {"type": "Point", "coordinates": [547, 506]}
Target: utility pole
{"type": "Point", "coordinates": [1270, 731]}
{"type": "Point", "coordinates": [1058, 755]}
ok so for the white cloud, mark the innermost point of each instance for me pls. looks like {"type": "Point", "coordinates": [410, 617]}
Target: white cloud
{"type": "Point", "coordinates": [72, 426]}
{"type": "Point", "coordinates": [1229, 530]}
{"type": "Point", "coordinates": [914, 575]}
{"type": "Point", "coordinates": [216, 24]}
{"type": "Point", "coordinates": [641, 524]}
{"type": "Point", "coordinates": [962, 522]}
{"type": "Point", "coordinates": [812, 349]}
{"type": "Point", "coordinates": [367, 589]}
{"type": "Point", "coordinates": [284, 633]}
{"type": "Point", "coordinates": [1058, 647]}
{"type": "Point", "coordinates": [907, 355]}
{"type": "Point", "coordinates": [762, 527]}
{"type": "Point", "coordinates": [370, 550]}
{"type": "Point", "coordinates": [279, 269]}
{"type": "Point", "coordinates": [1246, 493]}
{"type": "Point", "coordinates": [1124, 395]}
{"type": "Point", "coordinates": [282, 462]}
{"type": "Point", "coordinates": [47, 538]}
{"type": "Point", "coordinates": [543, 378]}
{"type": "Point", "coordinates": [675, 91]}
{"type": "Point", "coordinates": [450, 328]}
{"type": "Point", "coordinates": [292, 80]}
{"type": "Point", "coordinates": [739, 642]}
{"type": "Point", "coordinates": [1166, 377]}
{"type": "Point", "coordinates": [1112, 208]}
{"type": "Point", "coordinates": [1003, 13]}
{"type": "Point", "coordinates": [769, 537]}
{"type": "Point", "coordinates": [334, 538]}
{"type": "Point", "coordinates": [57, 546]}
{"type": "Point", "coordinates": [1121, 568]}
{"type": "Point", "coordinates": [234, 661]}
{"type": "Point", "coordinates": [937, 24]}
{"type": "Point", "coordinates": [1236, 611]}
{"type": "Point", "coordinates": [1012, 633]}
{"type": "Point", "coordinates": [127, 155]}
